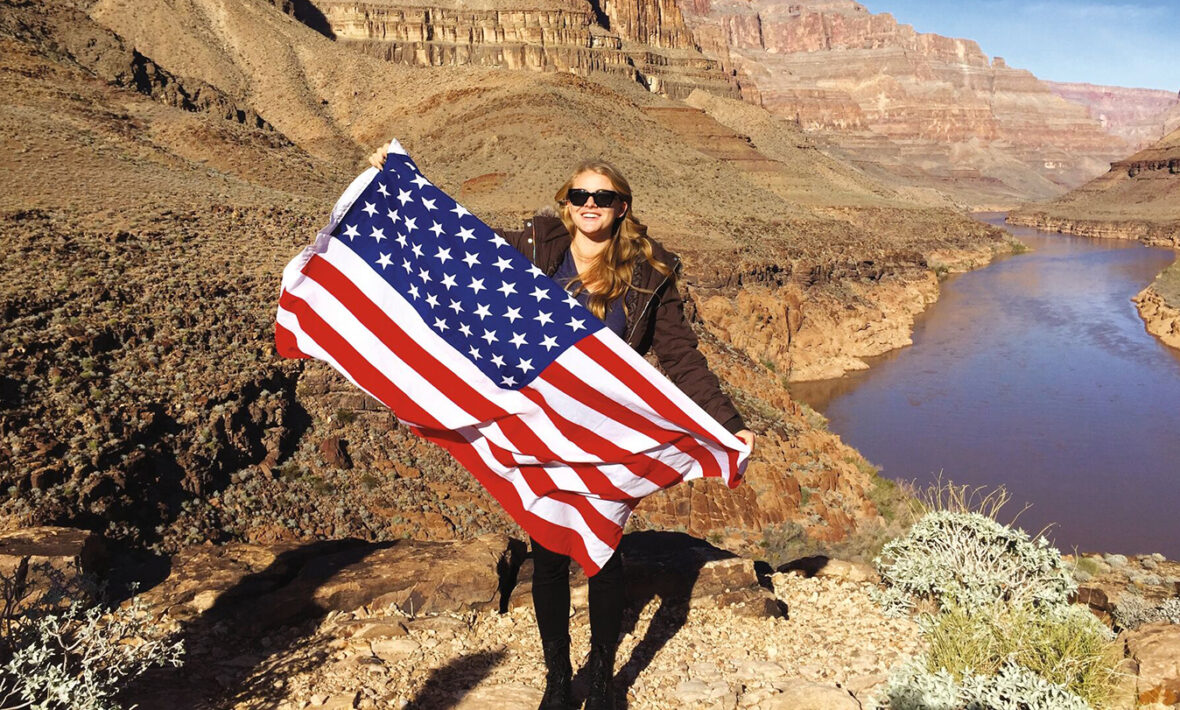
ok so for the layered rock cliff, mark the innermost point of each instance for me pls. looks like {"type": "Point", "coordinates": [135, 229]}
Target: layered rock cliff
{"type": "Point", "coordinates": [644, 41]}
{"type": "Point", "coordinates": [1138, 198]}
{"type": "Point", "coordinates": [1138, 116]}
{"type": "Point", "coordinates": [931, 109]}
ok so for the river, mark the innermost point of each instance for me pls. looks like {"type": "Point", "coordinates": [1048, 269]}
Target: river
{"type": "Point", "coordinates": [1036, 373]}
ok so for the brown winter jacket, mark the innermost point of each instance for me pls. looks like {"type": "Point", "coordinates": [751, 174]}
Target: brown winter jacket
{"type": "Point", "coordinates": [655, 316]}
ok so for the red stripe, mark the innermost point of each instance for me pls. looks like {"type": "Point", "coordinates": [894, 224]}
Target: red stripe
{"type": "Point", "coordinates": [286, 345]}
{"type": "Point", "coordinates": [558, 376]}
{"type": "Point", "coordinates": [656, 471]}
{"type": "Point", "coordinates": [613, 363]}
{"type": "Point", "coordinates": [353, 363]}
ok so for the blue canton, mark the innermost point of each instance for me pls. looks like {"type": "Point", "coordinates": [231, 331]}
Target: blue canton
{"type": "Point", "coordinates": [466, 282]}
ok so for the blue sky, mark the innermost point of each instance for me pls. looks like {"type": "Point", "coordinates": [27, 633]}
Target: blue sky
{"type": "Point", "coordinates": [1133, 44]}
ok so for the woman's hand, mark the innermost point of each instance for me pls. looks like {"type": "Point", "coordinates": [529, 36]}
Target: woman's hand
{"type": "Point", "coordinates": [747, 436]}
{"type": "Point", "coordinates": [377, 159]}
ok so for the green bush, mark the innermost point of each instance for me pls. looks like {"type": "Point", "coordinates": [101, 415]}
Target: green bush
{"type": "Point", "coordinates": [969, 560]}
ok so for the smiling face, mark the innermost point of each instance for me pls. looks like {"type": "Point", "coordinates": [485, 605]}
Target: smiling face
{"type": "Point", "coordinates": [593, 220]}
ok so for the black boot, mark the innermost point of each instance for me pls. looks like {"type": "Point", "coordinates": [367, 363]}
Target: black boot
{"type": "Point", "coordinates": [602, 672]}
{"type": "Point", "coordinates": [558, 675]}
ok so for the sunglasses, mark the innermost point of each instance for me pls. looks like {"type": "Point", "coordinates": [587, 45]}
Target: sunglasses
{"type": "Point", "coordinates": [602, 198]}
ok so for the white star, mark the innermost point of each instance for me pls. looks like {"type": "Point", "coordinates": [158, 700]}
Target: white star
{"type": "Point", "coordinates": [513, 314]}
{"type": "Point", "coordinates": [417, 250]}
{"type": "Point", "coordinates": [413, 290]}
{"type": "Point", "coordinates": [572, 301]}
{"type": "Point", "coordinates": [424, 275]}
{"type": "Point", "coordinates": [490, 336]}
{"type": "Point", "coordinates": [544, 318]}
{"type": "Point", "coordinates": [502, 264]}
{"type": "Point", "coordinates": [498, 360]}
{"type": "Point", "coordinates": [370, 209]}
{"type": "Point", "coordinates": [411, 224]}
{"type": "Point", "coordinates": [509, 381]}
{"type": "Point", "coordinates": [428, 204]}
{"type": "Point", "coordinates": [420, 181]}
{"type": "Point", "coordinates": [576, 324]}
{"type": "Point", "coordinates": [393, 215]}
{"type": "Point", "coordinates": [432, 300]}
{"type": "Point", "coordinates": [517, 339]}
{"type": "Point", "coordinates": [471, 259]}
{"type": "Point", "coordinates": [466, 234]}
{"type": "Point", "coordinates": [460, 211]}
{"type": "Point", "coordinates": [499, 241]}
{"type": "Point", "coordinates": [525, 365]}
{"type": "Point", "coordinates": [535, 271]}
{"type": "Point", "coordinates": [482, 311]}
{"type": "Point", "coordinates": [448, 281]}
{"type": "Point", "coordinates": [437, 229]}
{"type": "Point", "coordinates": [443, 255]}
{"type": "Point", "coordinates": [475, 353]}
{"type": "Point", "coordinates": [401, 239]}
{"type": "Point", "coordinates": [384, 261]}
{"type": "Point", "coordinates": [440, 324]}
{"type": "Point", "coordinates": [549, 342]}
{"type": "Point", "coordinates": [378, 234]}
{"type": "Point", "coordinates": [540, 294]}
{"type": "Point", "coordinates": [403, 196]}
{"type": "Point", "coordinates": [477, 285]}
{"type": "Point", "coordinates": [507, 288]}
{"type": "Point", "coordinates": [465, 330]}
{"type": "Point", "coordinates": [409, 267]}
{"type": "Point", "coordinates": [382, 190]}
{"type": "Point", "coordinates": [350, 231]}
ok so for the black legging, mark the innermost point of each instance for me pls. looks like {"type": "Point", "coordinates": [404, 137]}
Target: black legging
{"type": "Point", "coordinates": [551, 596]}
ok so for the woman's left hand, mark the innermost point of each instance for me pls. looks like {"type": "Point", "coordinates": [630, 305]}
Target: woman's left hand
{"type": "Point", "coordinates": [747, 436]}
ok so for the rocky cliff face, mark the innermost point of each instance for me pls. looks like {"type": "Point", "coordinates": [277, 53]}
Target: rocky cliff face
{"type": "Point", "coordinates": [646, 41]}
{"type": "Point", "coordinates": [939, 101]}
{"type": "Point", "coordinates": [1138, 116]}
{"type": "Point", "coordinates": [1138, 198]}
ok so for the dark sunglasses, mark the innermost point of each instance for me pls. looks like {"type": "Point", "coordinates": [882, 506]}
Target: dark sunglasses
{"type": "Point", "coordinates": [602, 198]}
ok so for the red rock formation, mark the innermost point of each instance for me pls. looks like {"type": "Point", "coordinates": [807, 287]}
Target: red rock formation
{"type": "Point", "coordinates": [1135, 115]}
{"type": "Point", "coordinates": [835, 66]}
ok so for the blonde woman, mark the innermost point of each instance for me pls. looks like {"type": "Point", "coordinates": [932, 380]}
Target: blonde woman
{"type": "Point", "coordinates": [601, 253]}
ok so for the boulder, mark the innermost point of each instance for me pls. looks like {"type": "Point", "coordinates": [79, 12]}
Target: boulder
{"type": "Point", "coordinates": [1156, 649]}
{"type": "Point", "coordinates": [37, 559]}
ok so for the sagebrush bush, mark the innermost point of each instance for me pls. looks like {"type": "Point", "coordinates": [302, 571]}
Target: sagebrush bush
{"type": "Point", "coordinates": [914, 687]}
{"type": "Point", "coordinates": [969, 560]}
{"type": "Point", "coordinates": [58, 653]}
{"type": "Point", "coordinates": [1133, 611]}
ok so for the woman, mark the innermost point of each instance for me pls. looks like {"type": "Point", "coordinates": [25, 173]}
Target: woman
{"type": "Point", "coordinates": [599, 251]}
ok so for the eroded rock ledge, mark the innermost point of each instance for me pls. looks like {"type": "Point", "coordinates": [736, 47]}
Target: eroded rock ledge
{"type": "Point", "coordinates": [1159, 305]}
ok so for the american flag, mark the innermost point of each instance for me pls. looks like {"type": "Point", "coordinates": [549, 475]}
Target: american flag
{"type": "Point", "coordinates": [428, 310]}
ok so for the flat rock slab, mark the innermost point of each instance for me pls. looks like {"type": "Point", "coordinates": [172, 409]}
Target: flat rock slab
{"type": "Point", "coordinates": [38, 559]}
{"type": "Point", "coordinates": [803, 695]}
{"type": "Point", "coordinates": [269, 586]}
{"type": "Point", "coordinates": [514, 696]}
{"type": "Point", "coordinates": [1156, 648]}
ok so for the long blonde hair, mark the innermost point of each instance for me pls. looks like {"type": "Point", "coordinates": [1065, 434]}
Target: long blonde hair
{"type": "Point", "coordinates": [612, 270]}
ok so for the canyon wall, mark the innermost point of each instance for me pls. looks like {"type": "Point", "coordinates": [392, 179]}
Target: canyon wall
{"type": "Point", "coordinates": [646, 41]}
{"type": "Point", "coordinates": [1138, 116]}
{"type": "Point", "coordinates": [1138, 198]}
{"type": "Point", "coordinates": [934, 110]}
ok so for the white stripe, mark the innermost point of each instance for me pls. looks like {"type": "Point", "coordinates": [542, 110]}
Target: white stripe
{"type": "Point", "coordinates": [554, 511]}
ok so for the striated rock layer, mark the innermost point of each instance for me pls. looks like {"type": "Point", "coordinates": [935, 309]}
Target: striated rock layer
{"type": "Point", "coordinates": [1139, 198]}
{"type": "Point", "coordinates": [1159, 305]}
{"type": "Point", "coordinates": [647, 41]}
{"type": "Point", "coordinates": [1138, 116]}
{"type": "Point", "coordinates": [930, 108]}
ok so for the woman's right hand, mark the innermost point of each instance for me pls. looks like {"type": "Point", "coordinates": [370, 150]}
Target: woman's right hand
{"type": "Point", "coordinates": [377, 159]}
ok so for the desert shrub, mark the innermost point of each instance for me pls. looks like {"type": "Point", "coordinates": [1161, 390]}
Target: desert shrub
{"type": "Point", "coordinates": [62, 653]}
{"type": "Point", "coordinates": [970, 560]}
{"type": "Point", "coordinates": [1133, 611]}
{"type": "Point", "coordinates": [1064, 645]}
{"type": "Point", "coordinates": [914, 687]}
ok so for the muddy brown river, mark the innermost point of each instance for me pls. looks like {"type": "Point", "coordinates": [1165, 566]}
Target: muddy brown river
{"type": "Point", "coordinates": [1035, 373]}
